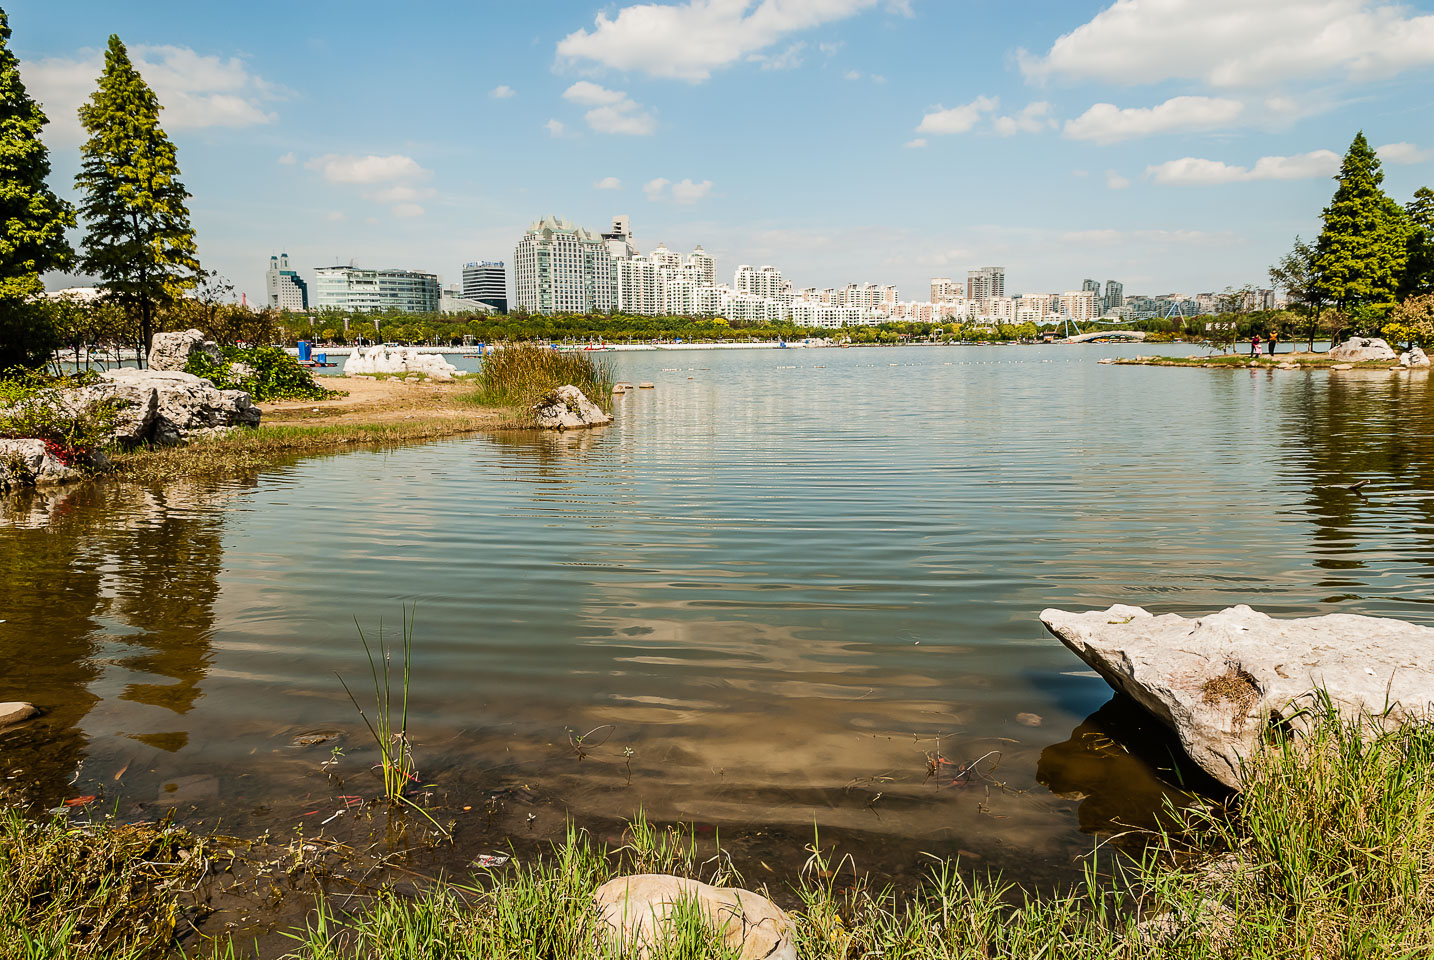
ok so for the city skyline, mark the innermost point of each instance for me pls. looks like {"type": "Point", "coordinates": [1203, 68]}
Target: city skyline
{"type": "Point", "coordinates": [1159, 142]}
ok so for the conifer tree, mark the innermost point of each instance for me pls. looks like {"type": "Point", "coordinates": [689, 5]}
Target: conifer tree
{"type": "Point", "coordinates": [138, 239]}
{"type": "Point", "coordinates": [32, 218]}
{"type": "Point", "coordinates": [1363, 247]}
{"type": "Point", "coordinates": [1419, 273]}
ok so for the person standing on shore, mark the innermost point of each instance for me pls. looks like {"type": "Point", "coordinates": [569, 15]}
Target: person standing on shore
{"type": "Point", "coordinates": [1274, 338]}
{"type": "Point", "coordinates": [1255, 345]}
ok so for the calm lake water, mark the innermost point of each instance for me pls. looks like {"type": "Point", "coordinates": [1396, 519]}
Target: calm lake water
{"type": "Point", "coordinates": [757, 603]}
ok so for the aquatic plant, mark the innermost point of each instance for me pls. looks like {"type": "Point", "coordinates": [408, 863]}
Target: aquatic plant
{"type": "Point", "coordinates": [521, 375]}
{"type": "Point", "coordinates": [395, 751]}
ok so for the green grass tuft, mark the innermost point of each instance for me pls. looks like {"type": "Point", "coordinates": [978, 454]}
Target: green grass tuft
{"type": "Point", "coordinates": [519, 376]}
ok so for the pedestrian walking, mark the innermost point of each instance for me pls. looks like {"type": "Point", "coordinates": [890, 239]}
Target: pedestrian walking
{"type": "Point", "coordinates": [1274, 338]}
{"type": "Point", "coordinates": [1255, 345]}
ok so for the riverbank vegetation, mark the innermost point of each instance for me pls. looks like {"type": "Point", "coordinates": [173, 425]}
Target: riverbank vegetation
{"type": "Point", "coordinates": [1328, 852]}
{"type": "Point", "coordinates": [520, 376]}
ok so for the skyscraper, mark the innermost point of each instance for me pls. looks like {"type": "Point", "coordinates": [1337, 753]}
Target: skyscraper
{"type": "Point", "coordinates": [1114, 295]}
{"type": "Point", "coordinates": [287, 290]}
{"type": "Point", "coordinates": [487, 282]}
{"type": "Point", "coordinates": [354, 288]}
{"type": "Point", "coordinates": [985, 283]}
{"type": "Point", "coordinates": [559, 267]}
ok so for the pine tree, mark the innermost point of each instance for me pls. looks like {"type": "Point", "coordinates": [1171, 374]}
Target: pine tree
{"type": "Point", "coordinates": [1362, 249]}
{"type": "Point", "coordinates": [1419, 273]}
{"type": "Point", "coordinates": [32, 218]}
{"type": "Point", "coordinates": [138, 239]}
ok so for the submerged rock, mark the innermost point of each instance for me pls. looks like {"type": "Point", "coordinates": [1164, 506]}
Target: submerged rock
{"type": "Point", "coordinates": [567, 408]}
{"type": "Point", "coordinates": [1219, 681]}
{"type": "Point", "coordinates": [635, 913]}
{"type": "Point", "coordinates": [170, 351]}
{"type": "Point", "coordinates": [16, 711]}
{"type": "Point", "coordinates": [1357, 349]}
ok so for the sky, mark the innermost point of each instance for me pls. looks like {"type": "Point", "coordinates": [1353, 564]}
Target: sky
{"type": "Point", "coordinates": [1174, 145]}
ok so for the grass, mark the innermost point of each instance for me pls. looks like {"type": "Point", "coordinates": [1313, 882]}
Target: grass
{"type": "Point", "coordinates": [395, 751]}
{"type": "Point", "coordinates": [520, 376]}
{"type": "Point", "coordinates": [1242, 360]}
{"type": "Point", "coordinates": [1328, 853]}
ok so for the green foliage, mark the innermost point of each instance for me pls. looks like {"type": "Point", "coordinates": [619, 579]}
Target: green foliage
{"type": "Point", "coordinates": [519, 376]}
{"type": "Point", "coordinates": [33, 406]}
{"type": "Point", "coordinates": [1412, 322]}
{"type": "Point", "coordinates": [1419, 273]}
{"type": "Point", "coordinates": [271, 375]}
{"type": "Point", "coordinates": [1363, 246]}
{"type": "Point", "coordinates": [138, 238]}
{"type": "Point", "coordinates": [33, 238]}
{"type": "Point", "coordinates": [27, 334]}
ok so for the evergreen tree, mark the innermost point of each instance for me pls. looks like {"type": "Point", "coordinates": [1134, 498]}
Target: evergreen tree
{"type": "Point", "coordinates": [1362, 249]}
{"type": "Point", "coordinates": [1419, 273]}
{"type": "Point", "coordinates": [138, 239]}
{"type": "Point", "coordinates": [32, 218]}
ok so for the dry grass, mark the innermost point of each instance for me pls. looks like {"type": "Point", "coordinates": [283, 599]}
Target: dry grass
{"type": "Point", "coordinates": [520, 376]}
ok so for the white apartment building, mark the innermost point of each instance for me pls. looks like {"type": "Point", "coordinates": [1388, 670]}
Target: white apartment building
{"type": "Point", "coordinates": [559, 267]}
{"type": "Point", "coordinates": [1081, 304]}
{"type": "Point", "coordinates": [765, 281]}
{"type": "Point", "coordinates": [639, 286]}
{"type": "Point", "coordinates": [355, 289]}
{"type": "Point", "coordinates": [666, 259]}
{"type": "Point", "coordinates": [702, 267]}
{"type": "Point", "coordinates": [287, 290]}
{"type": "Point", "coordinates": [944, 290]}
{"type": "Point", "coordinates": [814, 313]}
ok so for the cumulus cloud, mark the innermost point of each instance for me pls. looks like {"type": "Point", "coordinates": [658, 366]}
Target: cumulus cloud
{"type": "Point", "coordinates": [1033, 118]}
{"type": "Point", "coordinates": [405, 210]}
{"type": "Point", "coordinates": [613, 111]}
{"type": "Point", "coordinates": [1241, 44]}
{"type": "Point", "coordinates": [555, 128]}
{"type": "Point", "coordinates": [1106, 123]}
{"type": "Point", "coordinates": [502, 92]}
{"type": "Point", "coordinates": [689, 40]}
{"type": "Point", "coordinates": [1195, 171]}
{"type": "Point", "coordinates": [1403, 153]}
{"type": "Point", "coordinates": [394, 180]}
{"type": "Point", "coordinates": [197, 90]}
{"type": "Point", "coordinates": [609, 183]}
{"type": "Point", "coordinates": [1115, 181]}
{"type": "Point", "coordinates": [654, 187]}
{"type": "Point", "coordinates": [957, 119]}
{"type": "Point", "coordinates": [287, 159]}
{"type": "Point", "coordinates": [788, 59]}
{"type": "Point", "coordinates": [916, 144]}
{"type": "Point", "coordinates": [852, 74]}
{"type": "Point", "coordinates": [683, 191]}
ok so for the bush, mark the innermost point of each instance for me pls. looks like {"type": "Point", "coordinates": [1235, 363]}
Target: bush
{"type": "Point", "coordinates": [520, 376]}
{"type": "Point", "coordinates": [33, 407]}
{"type": "Point", "coordinates": [265, 373]}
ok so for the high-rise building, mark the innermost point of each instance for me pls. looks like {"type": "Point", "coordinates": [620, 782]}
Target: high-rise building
{"type": "Point", "coordinates": [619, 239]}
{"type": "Point", "coordinates": [945, 290]}
{"type": "Point", "coordinates": [985, 283]}
{"type": "Point", "coordinates": [287, 290]}
{"type": "Point", "coordinates": [1080, 304]}
{"type": "Point", "coordinates": [487, 282]}
{"type": "Point", "coordinates": [1114, 295]}
{"type": "Point", "coordinates": [559, 267]}
{"type": "Point", "coordinates": [639, 286]}
{"type": "Point", "coordinates": [765, 282]}
{"type": "Point", "coordinates": [355, 289]}
{"type": "Point", "coordinates": [702, 267]}
{"type": "Point", "coordinates": [667, 260]}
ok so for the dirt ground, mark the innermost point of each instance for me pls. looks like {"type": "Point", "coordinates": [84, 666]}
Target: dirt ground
{"type": "Point", "coordinates": [383, 401]}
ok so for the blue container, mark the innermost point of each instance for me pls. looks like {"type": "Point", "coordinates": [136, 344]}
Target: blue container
{"type": "Point", "coordinates": [306, 350]}
{"type": "Point", "coordinates": [323, 358]}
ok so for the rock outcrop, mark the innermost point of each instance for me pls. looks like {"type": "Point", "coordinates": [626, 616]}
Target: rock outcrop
{"type": "Point", "coordinates": [24, 463]}
{"type": "Point", "coordinates": [1359, 349]}
{"type": "Point", "coordinates": [567, 408]}
{"type": "Point", "coordinates": [635, 914]}
{"type": "Point", "coordinates": [170, 351]}
{"type": "Point", "coordinates": [1414, 357]}
{"type": "Point", "coordinates": [383, 359]}
{"type": "Point", "coordinates": [166, 406]}
{"type": "Point", "coordinates": [16, 711]}
{"type": "Point", "coordinates": [1219, 680]}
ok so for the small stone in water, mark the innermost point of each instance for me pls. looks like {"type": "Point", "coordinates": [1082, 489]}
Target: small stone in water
{"type": "Point", "coordinates": [1029, 719]}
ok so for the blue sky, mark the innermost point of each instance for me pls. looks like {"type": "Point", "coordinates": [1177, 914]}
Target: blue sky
{"type": "Point", "coordinates": [1176, 145]}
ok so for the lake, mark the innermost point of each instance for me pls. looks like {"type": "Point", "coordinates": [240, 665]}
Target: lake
{"type": "Point", "coordinates": [768, 599]}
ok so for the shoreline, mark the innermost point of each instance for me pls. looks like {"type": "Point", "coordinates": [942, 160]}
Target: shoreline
{"type": "Point", "coordinates": [1294, 360]}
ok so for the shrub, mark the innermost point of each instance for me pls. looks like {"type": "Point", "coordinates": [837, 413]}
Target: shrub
{"type": "Point", "coordinates": [265, 373]}
{"type": "Point", "coordinates": [520, 376]}
{"type": "Point", "coordinates": [33, 407]}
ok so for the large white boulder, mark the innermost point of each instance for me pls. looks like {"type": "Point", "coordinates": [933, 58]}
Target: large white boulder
{"type": "Point", "coordinates": [27, 462]}
{"type": "Point", "coordinates": [170, 406]}
{"type": "Point", "coordinates": [635, 916]}
{"type": "Point", "coordinates": [568, 408]}
{"type": "Point", "coordinates": [381, 359]}
{"type": "Point", "coordinates": [1357, 349]}
{"type": "Point", "coordinates": [1415, 357]}
{"type": "Point", "coordinates": [170, 351]}
{"type": "Point", "coordinates": [1219, 680]}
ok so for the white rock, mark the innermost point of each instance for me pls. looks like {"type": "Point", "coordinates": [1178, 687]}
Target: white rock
{"type": "Point", "coordinates": [1218, 680]}
{"type": "Point", "coordinates": [1415, 357]}
{"type": "Point", "coordinates": [183, 403]}
{"type": "Point", "coordinates": [567, 408]}
{"type": "Point", "coordinates": [16, 711]}
{"type": "Point", "coordinates": [27, 462]}
{"type": "Point", "coordinates": [170, 351]}
{"type": "Point", "coordinates": [381, 359]}
{"type": "Point", "coordinates": [635, 914]}
{"type": "Point", "coordinates": [1356, 349]}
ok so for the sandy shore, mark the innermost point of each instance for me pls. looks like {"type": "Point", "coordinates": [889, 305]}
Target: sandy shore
{"type": "Point", "coordinates": [388, 401]}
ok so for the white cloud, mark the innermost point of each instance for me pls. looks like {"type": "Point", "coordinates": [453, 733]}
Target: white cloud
{"type": "Point", "coordinates": [916, 144]}
{"type": "Point", "coordinates": [502, 92]}
{"type": "Point", "coordinates": [1106, 123]}
{"type": "Point", "coordinates": [852, 74]}
{"type": "Point", "coordinates": [287, 159]}
{"type": "Point", "coordinates": [1105, 237]}
{"type": "Point", "coordinates": [405, 210]}
{"type": "Point", "coordinates": [1194, 171]}
{"type": "Point", "coordinates": [831, 48]}
{"type": "Point", "coordinates": [334, 215]}
{"type": "Point", "coordinates": [690, 40]}
{"type": "Point", "coordinates": [1237, 43]}
{"type": "Point", "coordinates": [1403, 153]}
{"type": "Point", "coordinates": [1033, 118]}
{"type": "Point", "coordinates": [609, 183]}
{"type": "Point", "coordinates": [197, 91]}
{"type": "Point", "coordinates": [613, 111]}
{"type": "Point", "coordinates": [877, 78]}
{"type": "Point", "coordinates": [349, 168]}
{"type": "Point", "coordinates": [685, 191]}
{"type": "Point", "coordinates": [788, 59]}
{"type": "Point", "coordinates": [654, 187]}
{"type": "Point", "coordinates": [1115, 181]}
{"type": "Point", "coordinates": [555, 128]}
{"type": "Point", "coordinates": [957, 119]}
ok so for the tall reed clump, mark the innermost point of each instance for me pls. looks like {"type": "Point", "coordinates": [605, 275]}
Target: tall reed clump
{"type": "Point", "coordinates": [521, 375]}
{"type": "Point", "coordinates": [390, 733]}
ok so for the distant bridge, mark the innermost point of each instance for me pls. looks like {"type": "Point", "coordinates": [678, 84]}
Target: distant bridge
{"type": "Point", "coordinates": [1106, 335]}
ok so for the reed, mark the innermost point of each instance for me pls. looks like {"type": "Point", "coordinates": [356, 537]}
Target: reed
{"type": "Point", "coordinates": [521, 375]}
{"type": "Point", "coordinates": [395, 750]}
